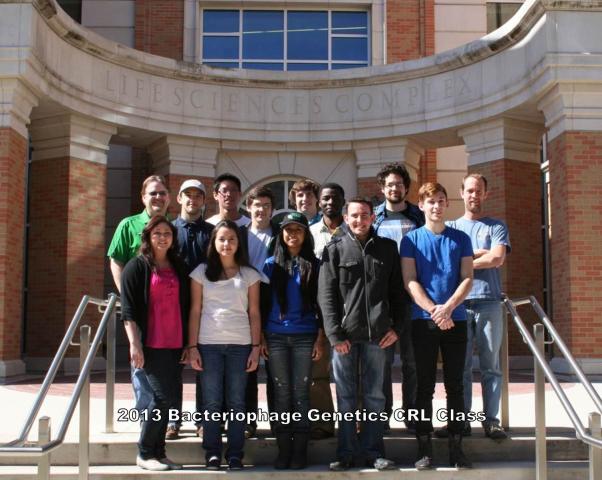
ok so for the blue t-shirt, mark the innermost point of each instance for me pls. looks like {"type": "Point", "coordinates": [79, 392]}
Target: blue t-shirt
{"type": "Point", "coordinates": [295, 320]}
{"type": "Point", "coordinates": [438, 259]}
{"type": "Point", "coordinates": [484, 233]}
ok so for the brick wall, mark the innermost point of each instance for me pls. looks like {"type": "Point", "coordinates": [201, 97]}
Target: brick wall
{"type": "Point", "coordinates": [159, 27]}
{"type": "Point", "coordinates": [13, 149]}
{"type": "Point", "coordinates": [405, 26]}
{"type": "Point", "coordinates": [515, 197]}
{"type": "Point", "coordinates": [576, 216]}
{"type": "Point", "coordinates": [66, 248]}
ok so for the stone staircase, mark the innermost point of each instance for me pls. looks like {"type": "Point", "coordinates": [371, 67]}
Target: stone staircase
{"type": "Point", "coordinates": [112, 457]}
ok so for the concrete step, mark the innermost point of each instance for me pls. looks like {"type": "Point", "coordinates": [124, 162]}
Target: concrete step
{"type": "Point", "coordinates": [121, 449]}
{"type": "Point", "coordinates": [573, 470]}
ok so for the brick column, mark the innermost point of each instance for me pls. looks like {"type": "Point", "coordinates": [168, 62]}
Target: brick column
{"type": "Point", "coordinates": [16, 103]}
{"type": "Point", "coordinates": [410, 29]}
{"type": "Point", "coordinates": [372, 155]}
{"type": "Point", "coordinates": [180, 158]}
{"type": "Point", "coordinates": [507, 152]}
{"type": "Point", "coordinates": [574, 151]}
{"type": "Point", "coordinates": [67, 228]}
{"type": "Point", "coordinates": [159, 27]}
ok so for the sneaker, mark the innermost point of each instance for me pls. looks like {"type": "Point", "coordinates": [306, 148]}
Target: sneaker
{"type": "Point", "coordinates": [151, 464]}
{"type": "Point", "coordinates": [234, 464]}
{"type": "Point", "coordinates": [214, 463]}
{"type": "Point", "coordinates": [383, 464]}
{"type": "Point", "coordinates": [341, 465]}
{"type": "Point", "coordinates": [494, 431]}
{"type": "Point", "coordinates": [172, 432]}
{"type": "Point", "coordinates": [444, 432]}
{"type": "Point", "coordinates": [170, 463]}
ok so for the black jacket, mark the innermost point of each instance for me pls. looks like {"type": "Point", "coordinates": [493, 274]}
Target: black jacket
{"type": "Point", "coordinates": [361, 292]}
{"type": "Point", "coordinates": [135, 287]}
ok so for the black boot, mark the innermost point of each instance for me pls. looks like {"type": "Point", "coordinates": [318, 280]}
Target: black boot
{"type": "Point", "coordinates": [457, 458]}
{"type": "Point", "coordinates": [299, 458]}
{"type": "Point", "coordinates": [285, 448]}
{"type": "Point", "coordinates": [425, 452]}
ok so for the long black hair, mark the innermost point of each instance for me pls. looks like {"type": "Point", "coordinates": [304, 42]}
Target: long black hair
{"type": "Point", "coordinates": [214, 264]}
{"type": "Point", "coordinates": [146, 249]}
{"type": "Point", "coordinates": [283, 270]}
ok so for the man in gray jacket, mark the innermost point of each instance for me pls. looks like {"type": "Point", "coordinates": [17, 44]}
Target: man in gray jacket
{"type": "Point", "coordinates": [361, 298]}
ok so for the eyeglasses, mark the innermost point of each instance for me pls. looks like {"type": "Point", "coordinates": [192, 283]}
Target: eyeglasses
{"type": "Point", "coordinates": [159, 193]}
{"type": "Point", "coordinates": [391, 186]}
{"type": "Point", "coordinates": [226, 191]}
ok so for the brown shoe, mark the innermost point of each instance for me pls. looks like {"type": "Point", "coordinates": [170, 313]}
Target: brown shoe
{"type": "Point", "coordinates": [172, 433]}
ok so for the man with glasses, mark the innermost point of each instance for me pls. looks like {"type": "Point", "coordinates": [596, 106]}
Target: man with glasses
{"type": "Point", "coordinates": [193, 241]}
{"type": "Point", "coordinates": [227, 192]}
{"type": "Point", "coordinates": [395, 218]}
{"type": "Point", "coordinates": [125, 245]}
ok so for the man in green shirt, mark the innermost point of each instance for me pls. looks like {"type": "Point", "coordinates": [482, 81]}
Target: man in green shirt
{"type": "Point", "coordinates": [124, 246]}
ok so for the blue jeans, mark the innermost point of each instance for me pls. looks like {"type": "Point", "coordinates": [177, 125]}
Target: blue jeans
{"type": "Point", "coordinates": [290, 370]}
{"type": "Point", "coordinates": [160, 366]}
{"type": "Point", "coordinates": [224, 377]}
{"type": "Point", "coordinates": [485, 328]}
{"type": "Point", "coordinates": [370, 359]}
{"type": "Point", "coordinates": [143, 393]}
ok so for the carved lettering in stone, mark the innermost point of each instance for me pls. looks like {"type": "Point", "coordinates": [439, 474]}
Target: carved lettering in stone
{"type": "Point", "coordinates": [340, 106]}
{"type": "Point", "coordinates": [196, 98]}
{"type": "Point", "coordinates": [123, 84]}
{"type": "Point", "coordinates": [448, 88]}
{"type": "Point", "coordinates": [276, 102]}
{"type": "Point", "coordinates": [464, 89]}
{"type": "Point", "coordinates": [139, 87]}
{"type": "Point", "coordinates": [413, 95]}
{"type": "Point", "coordinates": [364, 102]}
{"type": "Point", "coordinates": [316, 104]}
{"type": "Point", "coordinates": [156, 93]}
{"type": "Point", "coordinates": [233, 100]}
{"type": "Point", "coordinates": [178, 93]}
{"type": "Point", "coordinates": [255, 104]}
{"type": "Point", "coordinates": [298, 104]}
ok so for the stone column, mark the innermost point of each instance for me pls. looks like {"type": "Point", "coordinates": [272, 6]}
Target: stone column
{"type": "Point", "coordinates": [179, 158]}
{"type": "Point", "coordinates": [573, 115]}
{"type": "Point", "coordinates": [371, 156]}
{"type": "Point", "coordinates": [67, 198]}
{"type": "Point", "coordinates": [16, 102]}
{"type": "Point", "coordinates": [507, 152]}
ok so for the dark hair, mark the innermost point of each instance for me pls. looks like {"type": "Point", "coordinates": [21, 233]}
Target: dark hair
{"type": "Point", "coordinates": [146, 249]}
{"type": "Point", "coordinates": [261, 191]}
{"type": "Point", "coordinates": [153, 178]}
{"type": "Point", "coordinates": [397, 169]}
{"type": "Point", "coordinates": [301, 186]}
{"type": "Point", "coordinates": [214, 263]}
{"type": "Point", "coordinates": [283, 269]}
{"type": "Point", "coordinates": [223, 178]}
{"type": "Point", "coordinates": [361, 200]}
{"type": "Point", "coordinates": [332, 186]}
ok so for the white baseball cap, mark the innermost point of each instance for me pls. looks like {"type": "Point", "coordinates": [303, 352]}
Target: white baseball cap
{"type": "Point", "coordinates": [192, 183]}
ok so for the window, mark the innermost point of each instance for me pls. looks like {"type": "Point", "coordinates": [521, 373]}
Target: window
{"type": "Point", "coordinates": [285, 39]}
{"type": "Point", "coordinates": [73, 8]}
{"type": "Point", "coordinates": [500, 13]}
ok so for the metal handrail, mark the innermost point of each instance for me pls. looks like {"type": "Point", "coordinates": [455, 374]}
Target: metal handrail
{"type": "Point", "coordinates": [543, 363]}
{"type": "Point", "coordinates": [18, 446]}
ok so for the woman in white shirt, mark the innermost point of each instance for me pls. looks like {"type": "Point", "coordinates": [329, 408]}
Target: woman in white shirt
{"type": "Point", "coordinates": [223, 341]}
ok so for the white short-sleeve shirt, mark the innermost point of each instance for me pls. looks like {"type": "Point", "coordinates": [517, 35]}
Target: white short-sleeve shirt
{"type": "Point", "coordinates": [224, 314]}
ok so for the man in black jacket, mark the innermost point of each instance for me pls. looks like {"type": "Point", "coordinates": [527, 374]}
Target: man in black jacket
{"type": "Point", "coordinates": [361, 297]}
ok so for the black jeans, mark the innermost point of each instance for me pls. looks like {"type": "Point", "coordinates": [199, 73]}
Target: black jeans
{"type": "Point", "coordinates": [428, 339]}
{"type": "Point", "coordinates": [408, 373]}
{"type": "Point", "coordinates": [161, 366]}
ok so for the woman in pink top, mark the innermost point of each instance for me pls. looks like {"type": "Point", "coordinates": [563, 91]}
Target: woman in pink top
{"type": "Point", "coordinates": [154, 309]}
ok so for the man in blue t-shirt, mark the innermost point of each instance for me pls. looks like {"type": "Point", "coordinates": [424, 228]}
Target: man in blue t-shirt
{"type": "Point", "coordinates": [491, 243]}
{"type": "Point", "coordinates": [437, 272]}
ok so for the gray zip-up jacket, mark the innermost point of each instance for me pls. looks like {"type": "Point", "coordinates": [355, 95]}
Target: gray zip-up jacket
{"type": "Point", "coordinates": [360, 291]}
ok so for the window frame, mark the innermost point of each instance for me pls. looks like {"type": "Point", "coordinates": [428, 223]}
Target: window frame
{"type": "Point", "coordinates": [285, 9]}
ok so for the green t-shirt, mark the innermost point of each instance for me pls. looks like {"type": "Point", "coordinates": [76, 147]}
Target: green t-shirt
{"type": "Point", "coordinates": [126, 240]}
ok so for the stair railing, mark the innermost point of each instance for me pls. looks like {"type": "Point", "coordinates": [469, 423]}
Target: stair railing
{"type": "Point", "coordinates": [81, 392]}
{"type": "Point", "coordinates": [591, 436]}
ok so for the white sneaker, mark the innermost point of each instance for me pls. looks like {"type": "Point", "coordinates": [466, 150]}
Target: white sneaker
{"type": "Point", "coordinates": [151, 464]}
{"type": "Point", "coordinates": [170, 463]}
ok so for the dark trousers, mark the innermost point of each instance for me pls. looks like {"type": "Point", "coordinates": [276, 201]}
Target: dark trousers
{"type": "Point", "coordinates": [161, 367]}
{"type": "Point", "coordinates": [428, 339]}
{"type": "Point", "coordinates": [408, 374]}
{"type": "Point", "coordinates": [320, 396]}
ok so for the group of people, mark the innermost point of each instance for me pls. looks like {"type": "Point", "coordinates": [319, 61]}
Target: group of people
{"type": "Point", "coordinates": [334, 287]}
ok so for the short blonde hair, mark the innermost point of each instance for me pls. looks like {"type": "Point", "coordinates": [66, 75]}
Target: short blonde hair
{"type": "Point", "coordinates": [430, 189]}
{"type": "Point", "coordinates": [153, 178]}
